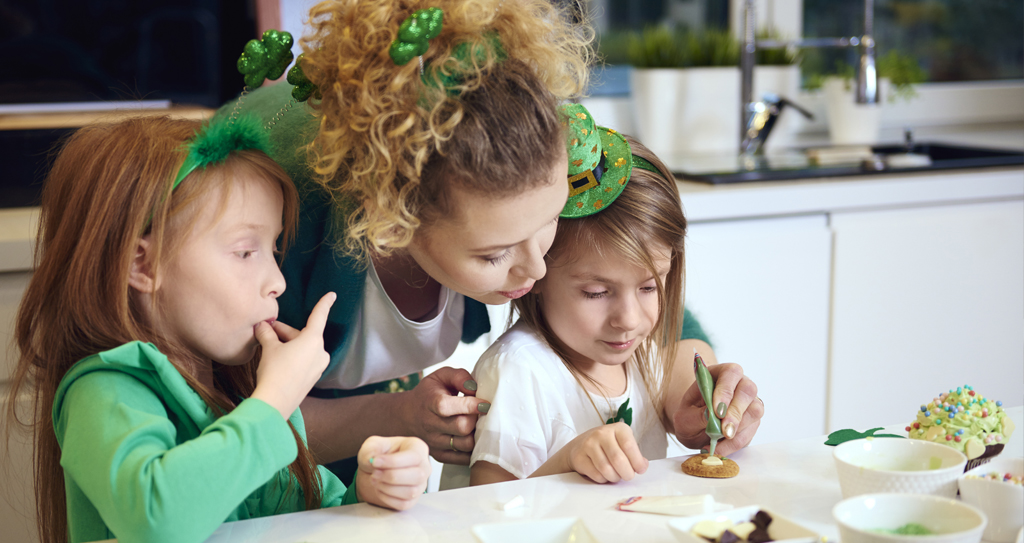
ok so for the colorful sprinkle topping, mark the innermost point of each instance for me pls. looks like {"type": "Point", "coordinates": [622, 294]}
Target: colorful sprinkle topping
{"type": "Point", "coordinates": [996, 476]}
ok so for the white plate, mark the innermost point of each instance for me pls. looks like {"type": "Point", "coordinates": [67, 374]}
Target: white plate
{"type": "Point", "coordinates": [556, 530]}
{"type": "Point", "coordinates": [781, 528]}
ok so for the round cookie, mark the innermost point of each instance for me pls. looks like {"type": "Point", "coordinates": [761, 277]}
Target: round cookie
{"type": "Point", "coordinates": [693, 466]}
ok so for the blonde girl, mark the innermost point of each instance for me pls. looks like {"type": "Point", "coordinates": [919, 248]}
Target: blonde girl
{"type": "Point", "coordinates": [165, 392]}
{"type": "Point", "coordinates": [587, 380]}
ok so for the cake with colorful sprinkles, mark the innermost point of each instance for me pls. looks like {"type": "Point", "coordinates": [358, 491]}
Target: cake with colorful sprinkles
{"type": "Point", "coordinates": [965, 420]}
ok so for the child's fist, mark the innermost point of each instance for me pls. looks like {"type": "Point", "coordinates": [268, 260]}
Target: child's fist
{"type": "Point", "coordinates": [607, 454]}
{"type": "Point", "coordinates": [393, 471]}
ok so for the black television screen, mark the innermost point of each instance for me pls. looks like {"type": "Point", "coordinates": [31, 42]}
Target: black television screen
{"type": "Point", "coordinates": [96, 50]}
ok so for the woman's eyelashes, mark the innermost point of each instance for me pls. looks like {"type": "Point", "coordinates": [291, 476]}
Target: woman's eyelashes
{"type": "Point", "coordinates": [496, 260]}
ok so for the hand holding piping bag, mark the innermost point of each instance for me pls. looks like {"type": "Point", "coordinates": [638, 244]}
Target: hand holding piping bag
{"type": "Point", "coordinates": [706, 384]}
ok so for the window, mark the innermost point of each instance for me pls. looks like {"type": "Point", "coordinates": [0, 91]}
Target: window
{"type": "Point", "coordinates": [952, 40]}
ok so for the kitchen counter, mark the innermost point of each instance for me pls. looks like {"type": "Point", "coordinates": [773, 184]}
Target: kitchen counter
{"type": "Point", "coordinates": [704, 202]}
{"type": "Point", "coordinates": [794, 478]}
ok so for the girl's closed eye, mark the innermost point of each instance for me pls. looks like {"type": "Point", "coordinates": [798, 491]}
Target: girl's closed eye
{"type": "Point", "coordinates": [593, 295]}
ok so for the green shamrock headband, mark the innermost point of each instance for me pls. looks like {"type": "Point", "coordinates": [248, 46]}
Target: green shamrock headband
{"type": "Point", "coordinates": [600, 163]}
{"type": "Point", "coordinates": [268, 58]}
{"type": "Point", "coordinates": [413, 33]}
{"type": "Point", "coordinates": [413, 41]}
{"type": "Point", "coordinates": [262, 59]}
{"type": "Point", "coordinates": [215, 141]}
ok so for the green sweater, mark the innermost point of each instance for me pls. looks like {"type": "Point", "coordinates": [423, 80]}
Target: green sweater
{"type": "Point", "coordinates": [312, 267]}
{"type": "Point", "coordinates": [145, 459]}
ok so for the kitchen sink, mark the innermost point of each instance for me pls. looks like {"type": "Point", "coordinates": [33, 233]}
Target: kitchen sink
{"type": "Point", "coordinates": [796, 164]}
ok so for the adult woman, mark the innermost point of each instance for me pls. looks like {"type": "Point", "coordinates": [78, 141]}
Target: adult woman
{"type": "Point", "coordinates": [429, 188]}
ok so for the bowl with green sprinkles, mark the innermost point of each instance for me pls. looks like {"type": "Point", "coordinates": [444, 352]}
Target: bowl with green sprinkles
{"type": "Point", "coordinates": [908, 518]}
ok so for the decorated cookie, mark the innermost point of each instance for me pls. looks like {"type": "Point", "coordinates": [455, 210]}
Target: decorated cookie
{"type": "Point", "coordinates": [706, 465]}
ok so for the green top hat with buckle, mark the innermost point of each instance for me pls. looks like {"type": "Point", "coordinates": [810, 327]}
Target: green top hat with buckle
{"type": "Point", "coordinates": [600, 163]}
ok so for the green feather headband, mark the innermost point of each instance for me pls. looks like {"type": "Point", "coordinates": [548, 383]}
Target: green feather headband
{"type": "Point", "coordinates": [215, 141]}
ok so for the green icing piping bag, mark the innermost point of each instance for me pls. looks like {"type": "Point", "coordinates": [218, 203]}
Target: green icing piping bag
{"type": "Point", "coordinates": [706, 384]}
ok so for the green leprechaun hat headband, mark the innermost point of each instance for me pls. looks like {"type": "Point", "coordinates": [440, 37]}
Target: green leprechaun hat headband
{"type": "Point", "coordinates": [600, 163]}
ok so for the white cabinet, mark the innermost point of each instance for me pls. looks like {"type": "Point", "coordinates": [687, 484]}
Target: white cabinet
{"type": "Point", "coordinates": [17, 513]}
{"type": "Point", "coordinates": [12, 287]}
{"type": "Point", "coordinates": [760, 288]}
{"type": "Point", "coordinates": [923, 300]}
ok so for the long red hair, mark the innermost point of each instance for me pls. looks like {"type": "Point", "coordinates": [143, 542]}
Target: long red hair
{"type": "Point", "coordinates": [110, 184]}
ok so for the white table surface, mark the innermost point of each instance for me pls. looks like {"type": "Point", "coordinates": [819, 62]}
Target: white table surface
{"type": "Point", "coordinates": [796, 479]}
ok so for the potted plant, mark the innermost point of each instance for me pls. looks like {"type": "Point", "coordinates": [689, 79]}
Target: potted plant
{"type": "Point", "coordinates": [685, 89]}
{"type": "Point", "coordinates": [850, 123]}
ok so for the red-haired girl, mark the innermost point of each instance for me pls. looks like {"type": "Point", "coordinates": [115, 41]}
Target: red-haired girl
{"type": "Point", "coordinates": [165, 391]}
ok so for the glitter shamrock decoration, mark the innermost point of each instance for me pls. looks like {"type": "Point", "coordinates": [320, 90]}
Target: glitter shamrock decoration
{"type": "Point", "coordinates": [413, 33]}
{"type": "Point", "coordinates": [304, 88]}
{"type": "Point", "coordinates": [266, 58]}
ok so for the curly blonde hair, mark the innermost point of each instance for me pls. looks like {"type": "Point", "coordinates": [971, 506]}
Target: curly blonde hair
{"type": "Point", "coordinates": [391, 143]}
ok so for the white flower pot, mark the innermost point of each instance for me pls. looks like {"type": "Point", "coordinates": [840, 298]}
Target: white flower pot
{"type": "Point", "coordinates": [687, 111]}
{"type": "Point", "coordinates": [785, 82]}
{"type": "Point", "coordinates": [850, 123]}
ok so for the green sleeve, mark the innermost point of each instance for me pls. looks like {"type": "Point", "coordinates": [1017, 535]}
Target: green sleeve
{"type": "Point", "coordinates": [692, 328]}
{"type": "Point", "coordinates": [119, 447]}
{"type": "Point", "coordinates": [335, 492]}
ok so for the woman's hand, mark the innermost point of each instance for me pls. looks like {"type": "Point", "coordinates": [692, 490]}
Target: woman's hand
{"type": "Point", "coordinates": [393, 471]}
{"type": "Point", "coordinates": [292, 361]}
{"type": "Point", "coordinates": [606, 454]}
{"type": "Point", "coordinates": [434, 412]}
{"type": "Point", "coordinates": [735, 397]}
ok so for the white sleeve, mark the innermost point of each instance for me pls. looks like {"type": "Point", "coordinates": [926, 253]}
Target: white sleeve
{"type": "Point", "coordinates": [524, 420]}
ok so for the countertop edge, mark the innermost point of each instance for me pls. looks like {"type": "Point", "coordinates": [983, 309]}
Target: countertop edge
{"type": "Point", "coordinates": [709, 203]}
{"type": "Point", "coordinates": [706, 203]}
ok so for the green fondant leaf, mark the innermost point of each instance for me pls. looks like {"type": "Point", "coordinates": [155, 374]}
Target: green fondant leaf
{"type": "Point", "coordinates": [848, 434]}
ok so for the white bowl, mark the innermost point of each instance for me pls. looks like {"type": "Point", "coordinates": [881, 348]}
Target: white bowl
{"type": "Point", "coordinates": [890, 464]}
{"type": "Point", "coordinates": [949, 520]}
{"type": "Point", "coordinates": [781, 528]}
{"type": "Point", "coordinates": [1003, 503]}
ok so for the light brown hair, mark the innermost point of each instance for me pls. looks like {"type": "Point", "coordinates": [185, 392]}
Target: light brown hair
{"type": "Point", "coordinates": [390, 144]}
{"type": "Point", "coordinates": [647, 215]}
{"type": "Point", "coordinates": [109, 185]}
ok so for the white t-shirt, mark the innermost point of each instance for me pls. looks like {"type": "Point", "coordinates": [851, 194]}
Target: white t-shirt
{"type": "Point", "coordinates": [395, 345]}
{"type": "Point", "coordinates": [537, 406]}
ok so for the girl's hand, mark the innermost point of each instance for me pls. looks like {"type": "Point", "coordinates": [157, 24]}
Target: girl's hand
{"type": "Point", "coordinates": [742, 414]}
{"type": "Point", "coordinates": [393, 471]}
{"type": "Point", "coordinates": [434, 412]}
{"type": "Point", "coordinates": [606, 454]}
{"type": "Point", "coordinates": [292, 361]}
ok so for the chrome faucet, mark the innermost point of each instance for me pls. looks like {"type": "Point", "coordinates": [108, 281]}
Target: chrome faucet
{"type": "Point", "coordinates": [763, 116]}
{"type": "Point", "coordinates": [867, 77]}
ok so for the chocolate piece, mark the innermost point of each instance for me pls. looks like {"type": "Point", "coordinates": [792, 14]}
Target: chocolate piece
{"type": "Point", "coordinates": [760, 535]}
{"type": "Point", "coordinates": [762, 520]}
{"type": "Point", "coordinates": [729, 537]}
